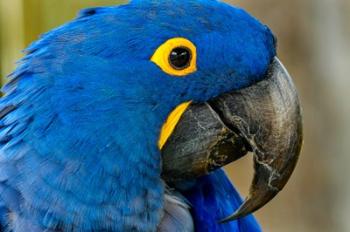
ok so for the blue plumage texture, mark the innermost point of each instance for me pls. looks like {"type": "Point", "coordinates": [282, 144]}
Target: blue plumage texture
{"type": "Point", "coordinates": [82, 113]}
{"type": "Point", "coordinates": [213, 198]}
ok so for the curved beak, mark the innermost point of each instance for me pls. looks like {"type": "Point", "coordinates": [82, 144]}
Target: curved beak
{"type": "Point", "coordinates": [264, 118]}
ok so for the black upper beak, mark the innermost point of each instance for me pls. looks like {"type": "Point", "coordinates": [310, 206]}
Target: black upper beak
{"type": "Point", "coordinates": [264, 118]}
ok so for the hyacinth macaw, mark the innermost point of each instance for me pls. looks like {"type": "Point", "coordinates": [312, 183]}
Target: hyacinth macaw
{"type": "Point", "coordinates": [121, 119]}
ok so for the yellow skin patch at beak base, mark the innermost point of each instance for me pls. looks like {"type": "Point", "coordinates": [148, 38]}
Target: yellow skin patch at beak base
{"type": "Point", "coordinates": [170, 124]}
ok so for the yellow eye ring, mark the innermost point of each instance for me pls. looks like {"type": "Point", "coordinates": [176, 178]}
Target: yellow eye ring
{"type": "Point", "coordinates": [176, 57]}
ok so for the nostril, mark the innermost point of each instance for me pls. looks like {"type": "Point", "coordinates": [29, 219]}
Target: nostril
{"type": "Point", "coordinates": [275, 41]}
{"type": "Point", "coordinates": [89, 12]}
{"type": "Point", "coordinates": [271, 37]}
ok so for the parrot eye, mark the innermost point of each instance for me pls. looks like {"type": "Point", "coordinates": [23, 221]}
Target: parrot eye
{"type": "Point", "coordinates": [180, 58]}
{"type": "Point", "coordinates": [176, 57]}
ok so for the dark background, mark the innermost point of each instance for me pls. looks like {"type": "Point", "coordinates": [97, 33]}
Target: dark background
{"type": "Point", "coordinates": [314, 44]}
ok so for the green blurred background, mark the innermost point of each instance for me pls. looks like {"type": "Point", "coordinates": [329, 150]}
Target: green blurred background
{"type": "Point", "coordinates": [314, 44]}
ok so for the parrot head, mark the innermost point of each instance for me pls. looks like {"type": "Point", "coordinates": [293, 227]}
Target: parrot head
{"type": "Point", "coordinates": [174, 51]}
{"type": "Point", "coordinates": [182, 81]}
{"type": "Point", "coordinates": [197, 50]}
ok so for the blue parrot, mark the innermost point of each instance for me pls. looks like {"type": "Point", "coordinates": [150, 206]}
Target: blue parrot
{"type": "Point", "coordinates": [87, 112]}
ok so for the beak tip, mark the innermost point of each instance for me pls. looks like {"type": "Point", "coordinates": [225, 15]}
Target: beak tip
{"type": "Point", "coordinates": [231, 218]}
{"type": "Point", "coordinates": [242, 211]}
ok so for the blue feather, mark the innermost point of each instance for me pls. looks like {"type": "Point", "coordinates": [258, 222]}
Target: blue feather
{"type": "Point", "coordinates": [213, 198]}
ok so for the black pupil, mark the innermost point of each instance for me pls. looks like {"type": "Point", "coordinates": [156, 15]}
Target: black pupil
{"type": "Point", "coordinates": [180, 58]}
